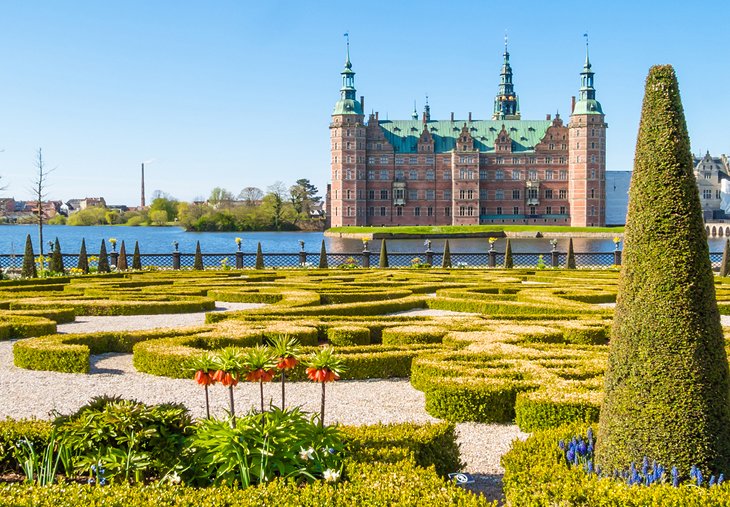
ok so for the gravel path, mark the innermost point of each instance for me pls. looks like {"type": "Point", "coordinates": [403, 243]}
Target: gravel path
{"type": "Point", "coordinates": [39, 394]}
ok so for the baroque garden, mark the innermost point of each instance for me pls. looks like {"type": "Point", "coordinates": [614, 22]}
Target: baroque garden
{"type": "Point", "coordinates": [624, 409]}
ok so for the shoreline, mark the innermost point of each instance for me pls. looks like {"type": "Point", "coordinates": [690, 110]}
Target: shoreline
{"type": "Point", "coordinates": [479, 234]}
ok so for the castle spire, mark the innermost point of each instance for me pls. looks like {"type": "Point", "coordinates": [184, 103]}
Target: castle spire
{"type": "Point", "coordinates": [427, 110]}
{"type": "Point", "coordinates": [348, 103]}
{"type": "Point", "coordinates": [414, 114]}
{"type": "Point", "coordinates": [587, 103]}
{"type": "Point", "coordinates": [506, 103]}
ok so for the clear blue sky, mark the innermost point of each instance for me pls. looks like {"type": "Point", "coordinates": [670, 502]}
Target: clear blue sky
{"type": "Point", "coordinates": [239, 93]}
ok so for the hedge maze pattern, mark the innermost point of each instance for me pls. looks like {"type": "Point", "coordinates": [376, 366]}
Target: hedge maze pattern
{"type": "Point", "coordinates": [526, 345]}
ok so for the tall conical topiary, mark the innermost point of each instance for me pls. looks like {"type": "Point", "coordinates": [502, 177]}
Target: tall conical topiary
{"type": "Point", "coordinates": [508, 264]}
{"type": "Point", "coordinates": [725, 264]}
{"type": "Point", "coordinates": [198, 260]}
{"type": "Point", "coordinates": [103, 265]}
{"type": "Point", "coordinates": [666, 387]}
{"type": "Point", "coordinates": [446, 261]}
{"type": "Point", "coordinates": [122, 259]}
{"type": "Point", "coordinates": [259, 257]}
{"type": "Point", "coordinates": [136, 257]}
{"type": "Point", "coordinates": [56, 262]}
{"type": "Point", "coordinates": [83, 263]}
{"type": "Point", "coordinates": [383, 261]}
{"type": "Point", "coordinates": [29, 269]}
{"type": "Point", "coordinates": [323, 257]}
{"type": "Point", "coordinates": [570, 258]}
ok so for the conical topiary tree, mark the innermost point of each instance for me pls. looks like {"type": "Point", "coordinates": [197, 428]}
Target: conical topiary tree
{"type": "Point", "coordinates": [508, 264]}
{"type": "Point", "coordinates": [570, 258]}
{"type": "Point", "coordinates": [446, 261]}
{"type": "Point", "coordinates": [198, 260]}
{"type": "Point", "coordinates": [666, 387]}
{"type": "Point", "coordinates": [103, 265]}
{"type": "Point", "coordinates": [83, 263]}
{"type": "Point", "coordinates": [29, 269]}
{"type": "Point", "coordinates": [323, 257]}
{"type": "Point", "coordinates": [383, 260]}
{"type": "Point", "coordinates": [122, 259]}
{"type": "Point", "coordinates": [725, 264]}
{"type": "Point", "coordinates": [136, 257]}
{"type": "Point", "coordinates": [259, 257]}
{"type": "Point", "coordinates": [56, 262]}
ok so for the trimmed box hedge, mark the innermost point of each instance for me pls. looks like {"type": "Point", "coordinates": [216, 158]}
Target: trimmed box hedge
{"type": "Point", "coordinates": [348, 335]}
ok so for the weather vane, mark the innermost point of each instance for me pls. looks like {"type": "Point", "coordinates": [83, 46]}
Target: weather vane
{"type": "Point", "coordinates": [586, 36]}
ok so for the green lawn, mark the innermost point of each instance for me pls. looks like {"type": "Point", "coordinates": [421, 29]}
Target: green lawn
{"type": "Point", "coordinates": [461, 229]}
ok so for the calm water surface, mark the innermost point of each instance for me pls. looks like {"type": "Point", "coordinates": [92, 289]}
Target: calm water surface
{"type": "Point", "coordinates": [160, 240]}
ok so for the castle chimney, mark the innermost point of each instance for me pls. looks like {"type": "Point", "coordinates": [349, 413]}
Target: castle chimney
{"type": "Point", "coordinates": [547, 117]}
{"type": "Point", "coordinates": [469, 116]}
{"type": "Point", "coordinates": [376, 116]}
{"type": "Point", "coordinates": [572, 104]}
{"type": "Point", "coordinates": [424, 118]}
{"type": "Point", "coordinates": [362, 102]}
{"type": "Point", "coordinates": [452, 116]}
{"type": "Point", "coordinates": [142, 203]}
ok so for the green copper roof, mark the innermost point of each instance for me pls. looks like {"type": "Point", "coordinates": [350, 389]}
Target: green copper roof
{"type": "Point", "coordinates": [347, 106]}
{"type": "Point", "coordinates": [404, 134]}
{"type": "Point", "coordinates": [590, 106]}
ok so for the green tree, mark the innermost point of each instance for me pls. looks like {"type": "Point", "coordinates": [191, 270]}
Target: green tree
{"type": "Point", "coordinates": [383, 261]}
{"type": "Point", "coordinates": [136, 257]}
{"type": "Point", "coordinates": [56, 262]}
{"type": "Point", "coordinates": [103, 265]}
{"type": "Point", "coordinates": [89, 216]}
{"type": "Point", "coordinates": [725, 263]}
{"type": "Point", "coordinates": [29, 269]}
{"type": "Point", "coordinates": [446, 261]}
{"type": "Point", "coordinates": [323, 257]}
{"type": "Point", "coordinates": [122, 259]}
{"type": "Point", "coordinates": [666, 387]}
{"type": "Point", "coordinates": [158, 217]}
{"type": "Point", "coordinates": [508, 264]}
{"type": "Point", "coordinates": [570, 258]}
{"type": "Point", "coordinates": [303, 196]}
{"type": "Point", "coordinates": [83, 263]}
{"type": "Point", "coordinates": [220, 196]}
{"type": "Point", "coordinates": [198, 260]}
{"type": "Point", "coordinates": [164, 203]}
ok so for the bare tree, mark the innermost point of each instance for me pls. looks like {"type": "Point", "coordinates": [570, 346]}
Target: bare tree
{"type": "Point", "coordinates": [277, 197]}
{"type": "Point", "coordinates": [251, 195]}
{"type": "Point", "coordinates": [39, 192]}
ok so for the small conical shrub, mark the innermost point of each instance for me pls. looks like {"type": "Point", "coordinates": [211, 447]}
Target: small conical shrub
{"type": "Point", "coordinates": [56, 262]}
{"type": "Point", "coordinates": [198, 262]}
{"type": "Point", "coordinates": [122, 260]}
{"type": "Point", "coordinates": [29, 269]}
{"type": "Point", "coordinates": [83, 263]}
{"type": "Point", "coordinates": [666, 383]}
{"type": "Point", "coordinates": [103, 265]}
{"type": "Point", "coordinates": [136, 257]}
{"type": "Point", "coordinates": [508, 263]}
{"type": "Point", "coordinates": [323, 257]}
{"type": "Point", "coordinates": [725, 264]}
{"type": "Point", "coordinates": [383, 261]}
{"type": "Point", "coordinates": [259, 257]}
{"type": "Point", "coordinates": [446, 261]}
{"type": "Point", "coordinates": [570, 259]}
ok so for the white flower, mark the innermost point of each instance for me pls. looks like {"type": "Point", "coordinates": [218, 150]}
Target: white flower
{"type": "Point", "coordinates": [306, 454]}
{"type": "Point", "coordinates": [331, 475]}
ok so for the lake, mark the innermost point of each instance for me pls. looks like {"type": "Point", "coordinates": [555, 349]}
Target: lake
{"type": "Point", "coordinates": [155, 240]}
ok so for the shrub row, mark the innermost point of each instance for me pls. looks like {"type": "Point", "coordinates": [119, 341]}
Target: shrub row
{"type": "Point", "coordinates": [121, 307]}
{"type": "Point", "coordinates": [13, 325]}
{"type": "Point", "coordinates": [402, 335]}
{"type": "Point", "coordinates": [348, 335]}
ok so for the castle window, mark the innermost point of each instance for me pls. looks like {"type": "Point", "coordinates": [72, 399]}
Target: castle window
{"type": "Point", "coordinates": [548, 160]}
{"type": "Point", "coordinates": [383, 160]}
{"type": "Point", "coordinates": [447, 175]}
{"type": "Point", "coordinates": [447, 211]}
{"type": "Point", "coordinates": [499, 194]}
{"type": "Point", "coordinates": [417, 211]}
{"type": "Point", "coordinates": [430, 194]}
{"type": "Point", "coordinates": [516, 160]}
{"type": "Point", "coordinates": [516, 210]}
{"type": "Point", "coordinates": [399, 211]}
{"type": "Point", "coordinates": [412, 174]}
{"type": "Point", "coordinates": [348, 174]}
{"type": "Point", "coordinates": [593, 159]}
{"type": "Point", "coordinates": [483, 194]}
{"type": "Point", "coordinates": [336, 210]}
{"type": "Point", "coordinates": [499, 210]}
{"type": "Point", "coordinates": [462, 211]}
{"type": "Point", "coordinates": [563, 160]}
{"type": "Point", "coordinates": [462, 194]}
{"type": "Point", "coordinates": [371, 194]}
{"type": "Point", "coordinates": [371, 160]}
{"type": "Point", "coordinates": [447, 194]}
{"type": "Point", "coordinates": [482, 174]}
{"type": "Point", "coordinates": [593, 193]}
{"type": "Point", "coordinates": [399, 175]}
{"type": "Point", "coordinates": [516, 175]}
{"type": "Point", "coordinates": [548, 193]}
{"type": "Point", "coordinates": [563, 194]}
{"type": "Point", "coordinates": [378, 146]}
{"type": "Point", "coordinates": [349, 145]}
{"type": "Point", "coordinates": [548, 210]}
{"type": "Point", "coordinates": [593, 174]}
{"type": "Point", "coordinates": [382, 211]}
{"type": "Point", "coordinates": [562, 210]}
{"type": "Point", "coordinates": [593, 146]}
{"type": "Point", "coordinates": [708, 176]}
{"type": "Point", "coordinates": [412, 160]}
{"type": "Point", "coordinates": [349, 211]}
{"type": "Point", "coordinates": [531, 160]}
{"type": "Point", "coordinates": [499, 175]}
{"type": "Point", "coordinates": [707, 194]}
{"type": "Point", "coordinates": [717, 194]}
{"type": "Point", "coordinates": [532, 175]}
{"type": "Point", "coordinates": [563, 175]}
{"type": "Point", "coordinates": [564, 147]}
{"type": "Point", "coordinates": [551, 146]}
{"type": "Point", "coordinates": [430, 175]}
{"type": "Point", "coordinates": [349, 194]}
{"type": "Point", "coordinates": [515, 194]}
{"type": "Point", "coordinates": [371, 174]}
{"type": "Point", "coordinates": [483, 210]}
{"type": "Point", "coordinates": [593, 132]}
{"type": "Point", "coordinates": [383, 174]}
{"type": "Point", "coordinates": [470, 211]}
{"type": "Point", "coordinates": [429, 160]}
{"type": "Point", "coordinates": [384, 194]}
{"type": "Point", "coordinates": [400, 161]}
{"type": "Point", "coordinates": [429, 211]}
{"type": "Point", "coordinates": [398, 193]}
{"type": "Point", "coordinates": [413, 195]}
{"type": "Point", "coordinates": [549, 174]}
{"type": "Point", "coordinates": [593, 211]}
{"type": "Point", "coordinates": [533, 210]}
{"type": "Point", "coordinates": [500, 160]}
{"type": "Point", "coordinates": [371, 211]}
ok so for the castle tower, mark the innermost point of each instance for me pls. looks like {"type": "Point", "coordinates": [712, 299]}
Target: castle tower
{"type": "Point", "coordinates": [587, 156]}
{"type": "Point", "coordinates": [506, 103]}
{"type": "Point", "coordinates": [347, 138]}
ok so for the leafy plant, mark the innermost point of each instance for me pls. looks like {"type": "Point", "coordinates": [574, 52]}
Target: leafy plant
{"type": "Point", "coordinates": [264, 446]}
{"type": "Point", "coordinates": [41, 468]}
{"type": "Point", "coordinates": [203, 368]}
{"type": "Point", "coordinates": [259, 363]}
{"type": "Point", "coordinates": [286, 351]}
{"type": "Point", "coordinates": [229, 364]}
{"type": "Point", "coordinates": [324, 366]}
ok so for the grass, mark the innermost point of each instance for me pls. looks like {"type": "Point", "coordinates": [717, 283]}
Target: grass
{"type": "Point", "coordinates": [462, 229]}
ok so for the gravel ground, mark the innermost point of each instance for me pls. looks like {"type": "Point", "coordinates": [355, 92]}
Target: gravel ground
{"type": "Point", "coordinates": [39, 394]}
